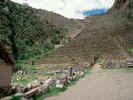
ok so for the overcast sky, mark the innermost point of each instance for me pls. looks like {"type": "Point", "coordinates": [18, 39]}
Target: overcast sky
{"type": "Point", "coordinates": [69, 8]}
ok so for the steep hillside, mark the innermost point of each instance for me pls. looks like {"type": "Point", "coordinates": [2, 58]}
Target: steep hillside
{"type": "Point", "coordinates": [105, 35]}
{"type": "Point", "coordinates": [29, 32]}
{"type": "Point", "coordinates": [73, 25]}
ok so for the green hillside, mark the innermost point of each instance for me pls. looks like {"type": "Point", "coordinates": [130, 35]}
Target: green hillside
{"type": "Point", "coordinates": [25, 33]}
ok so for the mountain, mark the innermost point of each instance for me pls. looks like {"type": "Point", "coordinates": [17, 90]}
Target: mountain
{"type": "Point", "coordinates": [106, 35]}
{"type": "Point", "coordinates": [73, 25]}
{"type": "Point", "coordinates": [29, 32]}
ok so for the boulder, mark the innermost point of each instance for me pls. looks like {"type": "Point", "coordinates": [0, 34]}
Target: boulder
{"type": "Point", "coordinates": [59, 84]}
{"type": "Point", "coordinates": [74, 77]}
{"type": "Point", "coordinates": [19, 72]}
{"type": "Point", "coordinates": [42, 80]}
{"type": "Point", "coordinates": [44, 88]}
{"type": "Point", "coordinates": [50, 82]}
{"type": "Point", "coordinates": [19, 95]}
{"type": "Point", "coordinates": [63, 78]}
{"type": "Point", "coordinates": [69, 79]}
{"type": "Point", "coordinates": [35, 83]}
{"type": "Point", "coordinates": [6, 9]}
{"type": "Point", "coordinates": [20, 88]}
{"type": "Point", "coordinates": [27, 87]}
{"type": "Point", "coordinates": [81, 73]}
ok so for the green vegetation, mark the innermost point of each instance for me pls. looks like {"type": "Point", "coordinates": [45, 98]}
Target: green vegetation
{"type": "Point", "coordinates": [52, 91]}
{"type": "Point", "coordinates": [27, 77]}
{"type": "Point", "coordinates": [99, 60]}
{"type": "Point", "coordinates": [32, 58]}
{"type": "Point", "coordinates": [26, 35]}
{"type": "Point", "coordinates": [16, 98]}
{"type": "Point", "coordinates": [130, 49]}
{"type": "Point", "coordinates": [31, 73]}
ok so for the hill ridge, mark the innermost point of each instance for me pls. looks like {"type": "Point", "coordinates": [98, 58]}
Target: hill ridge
{"type": "Point", "coordinates": [106, 35]}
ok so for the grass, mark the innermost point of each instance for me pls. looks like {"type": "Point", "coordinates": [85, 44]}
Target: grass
{"type": "Point", "coordinates": [25, 78]}
{"type": "Point", "coordinates": [15, 98]}
{"type": "Point", "coordinates": [30, 76]}
{"type": "Point", "coordinates": [55, 91]}
{"type": "Point", "coordinates": [130, 50]}
{"type": "Point", "coordinates": [19, 62]}
{"type": "Point", "coordinates": [26, 67]}
{"type": "Point", "coordinates": [99, 60]}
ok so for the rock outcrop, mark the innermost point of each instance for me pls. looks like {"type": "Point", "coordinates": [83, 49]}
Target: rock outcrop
{"type": "Point", "coordinates": [124, 6]}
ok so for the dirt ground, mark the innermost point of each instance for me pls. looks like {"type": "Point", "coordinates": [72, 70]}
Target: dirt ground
{"type": "Point", "coordinates": [114, 84]}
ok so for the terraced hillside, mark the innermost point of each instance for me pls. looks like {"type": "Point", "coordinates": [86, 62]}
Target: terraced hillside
{"type": "Point", "coordinates": [73, 25]}
{"type": "Point", "coordinates": [106, 35]}
{"type": "Point", "coordinates": [28, 32]}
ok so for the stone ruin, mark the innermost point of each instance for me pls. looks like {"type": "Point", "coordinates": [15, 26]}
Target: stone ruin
{"type": "Point", "coordinates": [119, 63]}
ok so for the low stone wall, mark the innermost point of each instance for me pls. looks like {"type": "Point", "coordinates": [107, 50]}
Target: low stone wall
{"type": "Point", "coordinates": [126, 63]}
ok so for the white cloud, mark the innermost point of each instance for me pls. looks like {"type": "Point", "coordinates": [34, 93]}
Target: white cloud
{"type": "Point", "coordinates": [69, 8]}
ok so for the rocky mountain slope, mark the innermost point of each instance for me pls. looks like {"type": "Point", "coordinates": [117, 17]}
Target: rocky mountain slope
{"type": "Point", "coordinates": [106, 35]}
{"type": "Point", "coordinates": [73, 25]}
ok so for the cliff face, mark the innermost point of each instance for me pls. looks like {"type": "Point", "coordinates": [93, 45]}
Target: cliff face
{"type": "Point", "coordinates": [124, 6]}
{"type": "Point", "coordinates": [119, 4]}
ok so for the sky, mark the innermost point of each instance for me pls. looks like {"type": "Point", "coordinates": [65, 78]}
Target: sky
{"type": "Point", "coordinates": [77, 9]}
{"type": "Point", "coordinates": [94, 11]}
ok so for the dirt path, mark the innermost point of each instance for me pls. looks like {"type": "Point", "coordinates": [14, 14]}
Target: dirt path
{"type": "Point", "coordinates": [101, 85]}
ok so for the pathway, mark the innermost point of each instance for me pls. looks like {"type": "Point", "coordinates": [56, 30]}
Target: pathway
{"type": "Point", "coordinates": [101, 85]}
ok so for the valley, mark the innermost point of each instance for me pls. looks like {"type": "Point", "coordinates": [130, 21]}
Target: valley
{"type": "Point", "coordinates": [46, 53]}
